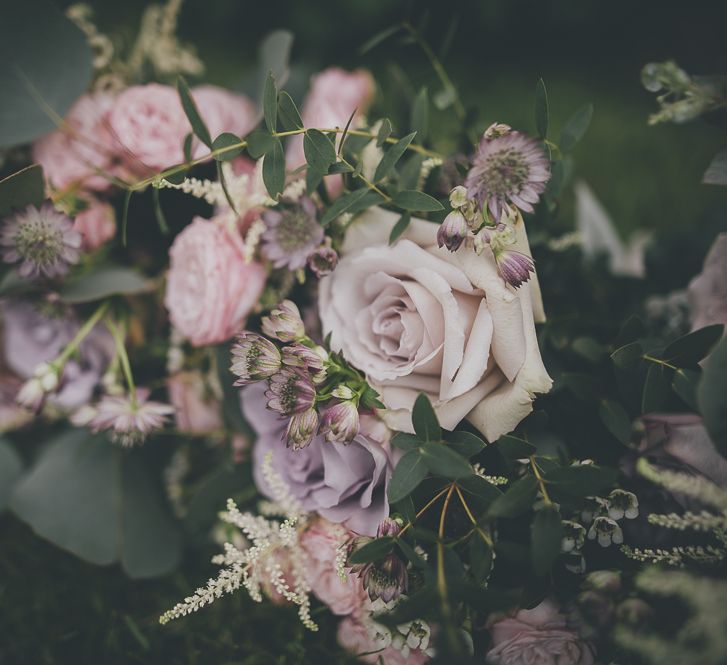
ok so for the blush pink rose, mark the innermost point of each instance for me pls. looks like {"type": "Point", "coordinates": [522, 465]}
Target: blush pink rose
{"type": "Point", "coordinates": [224, 111]}
{"type": "Point", "coordinates": [196, 410]}
{"type": "Point", "coordinates": [354, 636]}
{"type": "Point", "coordinates": [537, 637]}
{"type": "Point", "coordinates": [321, 541]}
{"type": "Point", "coordinates": [96, 224]}
{"type": "Point", "coordinates": [416, 318]}
{"type": "Point", "coordinates": [150, 124]}
{"type": "Point", "coordinates": [210, 288]}
{"type": "Point", "coordinates": [70, 156]}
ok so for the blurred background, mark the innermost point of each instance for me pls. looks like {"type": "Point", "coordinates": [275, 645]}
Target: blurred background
{"type": "Point", "coordinates": [56, 609]}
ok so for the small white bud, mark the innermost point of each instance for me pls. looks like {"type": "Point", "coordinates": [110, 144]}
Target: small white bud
{"type": "Point", "coordinates": [458, 196]}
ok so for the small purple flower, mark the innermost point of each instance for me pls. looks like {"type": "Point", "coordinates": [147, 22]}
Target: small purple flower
{"type": "Point", "coordinates": [323, 261]}
{"type": "Point", "coordinates": [386, 579]}
{"type": "Point", "coordinates": [293, 234]}
{"type": "Point", "coordinates": [514, 267]}
{"type": "Point", "coordinates": [41, 240]}
{"type": "Point", "coordinates": [340, 422]}
{"type": "Point", "coordinates": [254, 358]}
{"type": "Point", "coordinates": [508, 169]}
{"type": "Point", "coordinates": [290, 392]}
{"type": "Point", "coordinates": [284, 323]}
{"type": "Point", "coordinates": [301, 429]}
{"type": "Point", "coordinates": [452, 231]}
{"type": "Point", "coordinates": [306, 359]}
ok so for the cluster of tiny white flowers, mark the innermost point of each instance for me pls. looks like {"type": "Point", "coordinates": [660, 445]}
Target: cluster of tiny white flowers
{"type": "Point", "coordinates": [494, 480]}
{"type": "Point", "coordinates": [703, 521]}
{"type": "Point", "coordinates": [675, 556]}
{"type": "Point", "coordinates": [565, 241]}
{"type": "Point", "coordinates": [428, 165]}
{"type": "Point", "coordinates": [694, 486]}
{"type": "Point", "coordinates": [101, 45]}
{"type": "Point", "coordinates": [252, 240]}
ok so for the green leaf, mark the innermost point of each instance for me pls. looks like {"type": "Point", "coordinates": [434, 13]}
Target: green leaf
{"type": "Point", "coordinates": [23, 188]}
{"type": "Point", "coordinates": [190, 109]}
{"type": "Point", "coordinates": [100, 503]}
{"type": "Point", "coordinates": [11, 467]}
{"type": "Point", "coordinates": [260, 143]}
{"type": "Point", "coordinates": [716, 173]}
{"type": "Point", "coordinates": [366, 201]}
{"type": "Point", "coordinates": [481, 557]}
{"type": "Point", "coordinates": [481, 492]}
{"type": "Point", "coordinates": [444, 462]}
{"type": "Point", "coordinates": [270, 103]}
{"type": "Point", "coordinates": [656, 388]}
{"type": "Point", "coordinates": [576, 127]}
{"type": "Point", "coordinates": [405, 441]}
{"type": "Point", "coordinates": [512, 447]}
{"type": "Point", "coordinates": [410, 171]}
{"type": "Point", "coordinates": [187, 146]}
{"type": "Point", "coordinates": [159, 212]}
{"type": "Point", "coordinates": [392, 156]}
{"type": "Point", "coordinates": [409, 472]}
{"type": "Point", "coordinates": [541, 109]}
{"type": "Point", "coordinates": [419, 122]}
{"type": "Point", "coordinates": [628, 355]}
{"type": "Point", "coordinates": [341, 204]}
{"type": "Point", "coordinates": [401, 225]}
{"type": "Point", "coordinates": [424, 420]}
{"type": "Point", "coordinates": [465, 443]}
{"type": "Point", "coordinates": [274, 169]}
{"type": "Point", "coordinates": [288, 112]}
{"type": "Point", "coordinates": [225, 142]}
{"type": "Point", "coordinates": [688, 350]}
{"type": "Point", "coordinates": [373, 551]}
{"type": "Point", "coordinates": [319, 150]}
{"type": "Point", "coordinates": [616, 420]}
{"type": "Point", "coordinates": [384, 132]}
{"type": "Point", "coordinates": [411, 554]}
{"type": "Point", "coordinates": [547, 533]}
{"type": "Point", "coordinates": [517, 500]}
{"type": "Point", "coordinates": [45, 66]}
{"type": "Point", "coordinates": [102, 282]}
{"type": "Point", "coordinates": [685, 384]}
{"type": "Point", "coordinates": [712, 396]}
{"type": "Point", "coordinates": [411, 199]}
{"type": "Point", "coordinates": [580, 480]}
{"type": "Point", "coordinates": [378, 38]}
{"type": "Point", "coordinates": [339, 167]}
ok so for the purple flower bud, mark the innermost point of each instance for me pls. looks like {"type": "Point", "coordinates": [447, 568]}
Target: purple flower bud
{"type": "Point", "coordinates": [290, 392]}
{"type": "Point", "coordinates": [388, 527]}
{"type": "Point", "coordinates": [301, 429]}
{"type": "Point", "coordinates": [514, 267]}
{"type": "Point", "coordinates": [306, 359]}
{"type": "Point", "coordinates": [323, 261]}
{"type": "Point", "coordinates": [340, 422]}
{"type": "Point", "coordinates": [452, 231]}
{"type": "Point", "coordinates": [386, 579]}
{"type": "Point", "coordinates": [284, 323]}
{"type": "Point", "coordinates": [254, 358]}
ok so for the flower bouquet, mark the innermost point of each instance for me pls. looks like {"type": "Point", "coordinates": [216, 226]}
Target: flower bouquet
{"type": "Point", "coordinates": [342, 341]}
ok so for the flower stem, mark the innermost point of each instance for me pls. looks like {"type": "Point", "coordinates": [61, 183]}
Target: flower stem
{"type": "Point", "coordinates": [118, 336]}
{"type": "Point", "coordinates": [83, 331]}
{"type": "Point", "coordinates": [541, 481]}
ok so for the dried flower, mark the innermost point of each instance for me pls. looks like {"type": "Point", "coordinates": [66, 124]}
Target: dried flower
{"type": "Point", "coordinates": [290, 392]}
{"type": "Point", "coordinates": [254, 358]}
{"type": "Point", "coordinates": [452, 231]}
{"type": "Point", "coordinates": [284, 323]}
{"type": "Point", "coordinates": [293, 234]}
{"type": "Point", "coordinates": [301, 429]}
{"type": "Point", "coordinates": [130, 420]}
{"type": "Point", "coordinates": [323, 261]}
{"type": "Point", "coordinates": [507, 169]}
{"type": "Point", "coordinates": [42, 240]}
{"type": "Point", "coordinates": [340, 422]}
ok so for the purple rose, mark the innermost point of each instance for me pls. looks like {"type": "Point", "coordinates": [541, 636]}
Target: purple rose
{"type": "Point", "coordinates": [707, 292]}
{"type": "Point", "coordinates": [345, 483]}
{"type": "Point", "coordinates": [32, 337]}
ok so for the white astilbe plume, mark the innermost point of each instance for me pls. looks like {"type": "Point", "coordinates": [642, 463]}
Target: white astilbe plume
{"type": "Point", "coordinates": [273, 561]}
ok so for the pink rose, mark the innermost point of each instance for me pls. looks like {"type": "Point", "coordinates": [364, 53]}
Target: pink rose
{"type": "Point", "coordinates": [210, 288]}
{"type": "Point", "coordinates": [150, 124]}
{"type": "Point", "coordinates": [322, 541]}
{"type": "Point", "coordinates": [96, 224]}
{"type": "Point", "coordinates": [357, 638]}
{"type": "Point", "coordinates": [334, 94]}
{"type": "Point", "coordinates": [537, 637]}
{"type": "Point", "coordinates": [416, 318]}
{"type": "Point", "coordinates": [71, 155]}
{"type": "Point", "coordinates": [224, 111]}
{"type": "Point", "coordinates": [708, 291]}
{"type": "Point", "coordinates": [197, 411]}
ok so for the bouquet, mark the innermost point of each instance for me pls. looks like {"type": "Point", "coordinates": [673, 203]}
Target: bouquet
{"type": "Point", "coordinates": [443, 454]}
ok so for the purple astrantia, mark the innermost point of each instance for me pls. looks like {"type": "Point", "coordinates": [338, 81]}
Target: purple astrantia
{"type": "Point", "coordinates": [507, 169]}
{"type": "Point", "coordinates": [343, 483]}
{"type": "Point", "coordinates": [452, 231]}
{"type": "Point", "coordinates": [284, 322]}
{"type": "Point", "coordinates": [514, 267]}
{"type": "Point", "coordinates": [41, 240]}
{"type": "Point", "coordinates": [254, 358]}
{"type": "Point", "coordinates": [290, 392]}
{"type": "Point", "coordinates": [340, 422]}
{"type": "Point", "coordinates": [32, 337]}
{"type": "Point", "coordinates": [292, 235]}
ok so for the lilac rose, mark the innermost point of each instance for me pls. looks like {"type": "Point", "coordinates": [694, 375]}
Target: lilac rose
{"type": "Point", "coordinates": [345, 483]}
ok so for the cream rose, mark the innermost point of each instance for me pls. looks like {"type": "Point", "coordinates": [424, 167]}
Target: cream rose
{"type": "Point", "coordinates": [416, 318]}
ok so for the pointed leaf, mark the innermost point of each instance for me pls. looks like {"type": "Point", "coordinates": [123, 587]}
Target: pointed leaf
{"type": "Point", "coordinates": [192, 113]}
{"type": "Point", "coordinates": [288, 112]}
{"type": "Point", "coordinates": [274, 169]}
{"type": "Point", "coordinates": [419, 122]}
{"type": "Point", "coordinates": [419, 201]}
{"type": "Point", "coordinates": [409, 472]}
{"type": "Point", "coordinates": [373, 551]}
{"type": "Point", "coordinates": [465, 443]}
{"type": "Point", "coordinates": [711, 396]}
{"type": "Point", "coordinates": [392, 156]}
{"type": "Point", "coordinates": [270, 103]}
{"type": "Point", "coordinates": [517, 500]}
{"type": "Point", "coordinates": [576, 127]}
{"type": "Point", "coordinates": [341, 204]}
{"type": "Point", "coordinates": [688, 350]}
{"type": "Point", "coordinates": [401, 225]}
{"type": "Point", "coordinates": [319, 150]}
{"type": "Point", "coordinates": [444, 462]}
{"type": "Point", "coordinates": [547, 533]}
{"type": "Point", "coordinates": [685, 385]}
{"type": "Point", "coordinates": [616, 420]}
{"type": "Point", "coordinates": [424, 420]}
{"type": "Point", "coordinates": [384, 132]}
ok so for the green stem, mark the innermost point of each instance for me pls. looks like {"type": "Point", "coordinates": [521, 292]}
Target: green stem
{"type": "Point", "coordinates": [118, 336]}
{"type": "Point", "coordinates": [541, 481]}
{"type": "Point", "coordinates": [368, 183]}
{"type": "Point", "coordinates": [659, 361]}
{"type": "Point", "coordinates": [83, 331]}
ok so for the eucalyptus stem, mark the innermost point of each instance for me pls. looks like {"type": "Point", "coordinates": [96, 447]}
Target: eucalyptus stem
{"type": "Point", "coordinates": [659, 361]}
{"type": "Point", "coordinates": [117, 334]}
{"type": "Point", "coordinates": [441, 578]}
{"type": "Point", "coordinates": [83, 331]}
{"type": "Point", "coordinates": [541, 481]}
{"type": "Point", "coordinates": [368, 183]}
{"type": "Point", "coordinates": [429, 504]}
{"type": "Point", "coordinates": [476, 527]}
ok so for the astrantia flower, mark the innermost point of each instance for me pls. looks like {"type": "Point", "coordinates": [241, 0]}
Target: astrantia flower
{"type": "Point", "coordinates": [508, 169]}
{"type": "Point", "coordinates": [452, 231]}
{"type": "Point", "coordinates": [323, 261]}
{"type": "Point", "coordinates": [303, 357]}
{"type": "Point", "coordinates": [254, 358]}
{"type": "Point", "coordinates": [301, 429]}
{"type": "Point", "coordinates": [388, 578]}
{"type": "Point", "coordinates": [284, 323]}
{"type": "Point", "coordinates": [130, 420]}
{"type": "Point", "coordinates": [41, 240]}
{"type": "Point", "coordinates": [292, 235]}
{"type": "Point", "coordinates": [290, 392]}
{"type": "Point", "coordinates": [514, 267]}
{"type": "Point", "coordinates": [340, 422]}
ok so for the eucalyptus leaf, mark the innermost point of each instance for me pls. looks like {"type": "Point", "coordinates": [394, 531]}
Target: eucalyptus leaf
{"type": "Point", "coordinates": [405, 441]}
{"type": "Point", "coordinates": [412, 199]}
{"type": "Point", "coordinates": [627, 356]}
{"type": "Point", "coordinates": [225, 141]}
{"type": "Point", "coordinates": [319, 150]}
{"type": "Point", "coordinates": [274, 169]}
{"type": "Point", "coordinates": [480, 557]}
{"type": "Point", "coordinates": [517, 500]}
{"type": "Point", "coordinates": [288, 113]}
{"type": "Point", "coordinates": [384, 132]}
{"type": "Point", "coordinates": [409, 472]}
{"type": "Point", "coordinates": [465, 443]}
{"type": "Point", "coordinates": [23, 188]}
{"type": "Point", "coordinates": [580, 480]}
{"type": "Point", "coordinates": [401, 225]}
{"type": "Point", "coordinates": [688, 350]}
{"type": "Point", "coordinates": [616, 420]}
{"type": "Point", "coordinates": [712, 396]}
{"type": "Point", "coordinates": [11, 468]}
{"type": "Point", "coordinates": [274, 56]}
{"type": "Point", "coordinates": [270, 103]}
{"type": "Point", "coordinates": [102, 282]}
{"type": "Point", "coordinates": [512, 448]}
{"type": "Point", "coordinates": [685, 384]}
{"type": "Point", "coordinates": [547, 533]}
{"type": "Point", "coordinates": [424, 420]}
{"type": "Point", "coordinates": [341, 204]}
{"type": "Point", "coordinates": [445, 462]}
{"type": "Point", "coordinates": [373, 551]}
{"type": "Point", "coordinates": [419, 121]}
{"type": "Point", "coordinates": [576, 127]}
{"type": "Point", "coordinates": [190, 109]}
{"type": "Point", "coordinates": [392, 156]}
{"type": "Point", "coordinates": [260, 143]}
{"type": "Point", "coordinates": [656, 388]}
